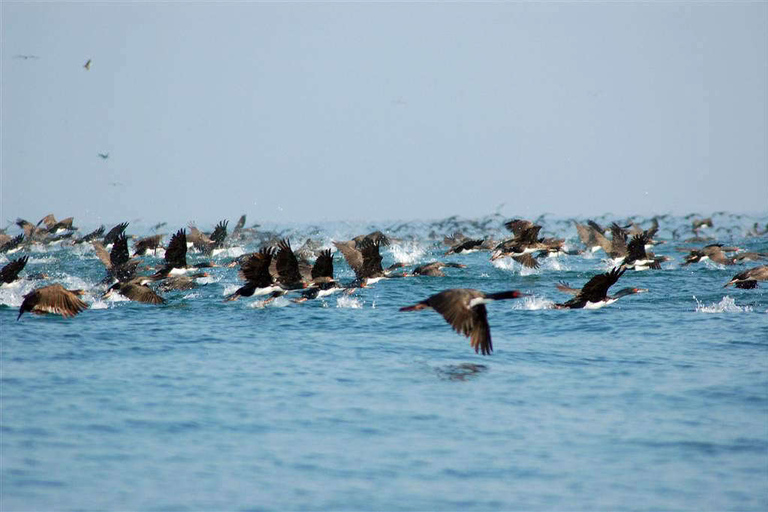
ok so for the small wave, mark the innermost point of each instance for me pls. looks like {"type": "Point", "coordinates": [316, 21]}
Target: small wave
{"type": "Point", "coordinates": [727, 305]}
{"type": "Point", "coordinates": [349, 302]}
{"type": "Point", "coordinates": [532, 303]}
{"type": "Point", "coordinates": [407, 252]}
{"type": "Point", "coordinates": [194, 295]}
{"type": "Point", "coordinates": [209, 280]}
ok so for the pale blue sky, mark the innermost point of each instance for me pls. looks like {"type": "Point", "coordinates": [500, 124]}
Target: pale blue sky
{"type": "Point", "coordinates": [295, 112]}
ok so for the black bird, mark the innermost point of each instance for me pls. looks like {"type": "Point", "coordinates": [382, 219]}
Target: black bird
{"type": "Point", "coordinates": [288, 275]}
{"type": "Point", "coordinates": [53, 299]}
{"type": "Point", "coordinates": [594, 294]}
{"type": "Point", "coordinates": [254, 269]}
{"type": "Point", "coordinates": [112, 234]}
{"type": "Point", "coordinates": [464, 309]}
{"type": "Point", "coordinates": [10, 272]}
{"type": "Point", "coordinates": [118, 262]}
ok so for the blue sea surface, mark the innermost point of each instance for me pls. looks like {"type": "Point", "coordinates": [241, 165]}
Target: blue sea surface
{"type": "Point", "coordinates": [657, 402]}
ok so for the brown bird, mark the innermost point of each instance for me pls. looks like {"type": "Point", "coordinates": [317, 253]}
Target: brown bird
{"type": "Point", "coordinates": [464, 309]}
{"type": "Point", "coordinates": [53, 299]}
{"type": "Point", "coordinates": [749, 278]}
{"type": "Point", "coordinates": [136, 290]}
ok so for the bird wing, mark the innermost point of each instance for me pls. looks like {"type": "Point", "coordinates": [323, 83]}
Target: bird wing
{"type": "Point", "coordinates": [49, 221]}
{"type": "Point", "coordinates": [112, 233]}
{"type": "Point", "coordinates": [526, 260]}
{"type": "Point", "coordinates": [10, 272]}
{"type": "Point", "coordinates": [255, 268]}
{"type": "Point", "coordinates": [371, 258]}
{"type": "Point", "coordinates": [102, 253]}
{"type": "Point", "coordinates": [57, 299]}
{"type": "Point", "coordinates": [353, 256]}
{"type": "Point", "coordinates": [636, 248]}
{"type": "Point", "coordinates": [176, 253]}
{"type": "Point", "coordinates": [619, 240]}
{"type": "Point", "coordinates": [596, 288]}
{"type": "Point", "coordinates": [119, 254]}
{"type": "Point", "coordinates": [518, 226]}
{"type": "Point", "coordinates": [141, 293]}
{"type": "Point", "coordinates": [471, 322]}
{"type": "Point", "coordinates": [219, 233]}
{"type": "Point", "coordinates": [323, 266]}
{"type": "Point", "coordinates": [566, 288]}
{"type": "Point", "coordinates": [287, 264]}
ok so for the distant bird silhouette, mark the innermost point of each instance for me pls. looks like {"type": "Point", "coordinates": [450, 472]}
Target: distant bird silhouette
{"type": "Point", "coordinates": [103, 156]}
{"type": "Point", "coordinates": [25, 57]}
{"type": "Point", "coordinates": [53, 299]}
{"type": "Point", "coordinates": [87, 65]}
{"type": "Point", "coordinates": [464, 309]}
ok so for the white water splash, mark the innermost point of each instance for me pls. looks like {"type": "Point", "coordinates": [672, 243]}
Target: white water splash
{"type": "Point", "coordinates": [229, 252]}
{"type": "Point", "coordinates": [349, 302]}
{"type": "Point", "coordinates": [99, 304]}
{"type": "Point", "coordinates": [727, 305]}
{"type": "Point", "coordinates": [513, 266]}
{"type": "Point", "coordinates": [532, 303]}
{"type": "Point", "coordinates": [230, 289]}
{"type": "Point", "coordinates": [193, 295]}
{"type": "Point", "coordinates": [208, 280]}
{"type": "Point", "coordinates": [278, 302]}
{"type": "Point", "coordinates": [407, 252]}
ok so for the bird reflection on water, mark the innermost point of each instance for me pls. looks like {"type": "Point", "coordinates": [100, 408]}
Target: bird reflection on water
{"type": "Point", "coordinates": [463, 371]}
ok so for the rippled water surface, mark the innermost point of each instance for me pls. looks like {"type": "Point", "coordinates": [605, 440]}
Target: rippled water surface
{"type": "Point", "coordinates": [659, 401]}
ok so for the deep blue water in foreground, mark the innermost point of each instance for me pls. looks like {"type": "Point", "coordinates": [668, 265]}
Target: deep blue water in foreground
{"type": "Point", "coordinates": [658, 402]}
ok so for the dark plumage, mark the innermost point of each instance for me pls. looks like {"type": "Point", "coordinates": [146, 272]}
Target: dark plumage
{"type": "Point", "coordinates": [254, 269]}
{"type": "Point", "coordinates": [113, 233]}
{"type": "Point", "coordinates": [136, 290]}
{"type": "Point", "coordinates": [288, 274]}
{"type": "Point", "coordinates": [749, 278]}
{"type": "Point", "coordinates": [10, 272]}
{"type": "Point", "coordinates": [435, 269]}
{"type": "Point", "coordinates": [594, 294]}
{"type": "Point", "coordinates": [464, 309]}
{"type": "Point", "coordinates": [53, 299]}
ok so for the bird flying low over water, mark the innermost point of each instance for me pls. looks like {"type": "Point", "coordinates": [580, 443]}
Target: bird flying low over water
{"type": "Point", "coordinates": [53, 299]}
{"type": "Point", "coordinates": [749, 278]}
{"type": "Point", "coordinates": [10, 272]}
{"type": "Point", "coordinates": [594, 294]}
{"type": "Point", "coordinates": [464, 309]}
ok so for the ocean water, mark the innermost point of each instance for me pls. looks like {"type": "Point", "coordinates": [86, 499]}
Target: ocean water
{"type": "Point", "coordinates": [657, 402]}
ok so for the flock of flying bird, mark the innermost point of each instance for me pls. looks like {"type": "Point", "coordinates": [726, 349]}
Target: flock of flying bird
{"type": "Point", "coordinates": [276, 270]}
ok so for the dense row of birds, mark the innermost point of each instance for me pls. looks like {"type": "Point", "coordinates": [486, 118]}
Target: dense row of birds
{"type": "Point", "coordinates": [308, 272]}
